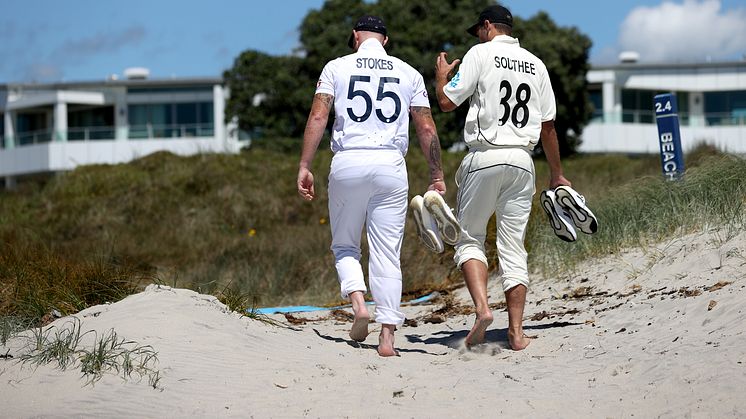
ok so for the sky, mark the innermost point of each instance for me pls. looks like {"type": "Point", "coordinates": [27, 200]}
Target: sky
{"type": "Point", "coordinates": [88, 40]}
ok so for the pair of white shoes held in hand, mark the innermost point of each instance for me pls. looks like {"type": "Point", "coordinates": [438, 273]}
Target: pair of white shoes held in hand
{"type": "Point", "coordinates": [567, 210]}
{"type": "Point", "coordinates": [434, 221]}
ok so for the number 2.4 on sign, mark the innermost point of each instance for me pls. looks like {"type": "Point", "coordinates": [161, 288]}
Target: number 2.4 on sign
{"type": "Point", "coordinates": [659, 107]}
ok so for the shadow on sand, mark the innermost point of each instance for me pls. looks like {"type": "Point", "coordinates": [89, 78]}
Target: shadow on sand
{"type": "Point", "coordinates": [355, 344]}
{"type": "Point", "coordinates": [455, 338]}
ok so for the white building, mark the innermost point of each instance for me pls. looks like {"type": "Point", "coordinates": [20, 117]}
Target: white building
{"type": "Point", "coordinates": [711, 99]}
{"type": "Point", "coordinates": [56, 127]}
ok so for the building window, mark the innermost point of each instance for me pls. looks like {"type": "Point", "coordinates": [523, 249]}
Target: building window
{"type": "Point", "coordinates": [169, 90]}
{"type": "Point", "coordinates": [32, 128]}
{"type": "Point", "coordinates": [171, 120]}
{"type": "Point", "coordinates": [90, 123]}
{"type": "Point", "coordinates": [637, 106]}
{"type": "Point", "coordinates": [725, 108]}
{"type": "Point", "coordinates": [682, 100]}
{"type": "Point", "coordinates": [597, 101]}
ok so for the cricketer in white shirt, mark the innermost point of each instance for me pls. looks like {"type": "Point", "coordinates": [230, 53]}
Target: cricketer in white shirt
{"type": "Point", "coordinates": [374, 95]}
{"type": "Point", "coordinates": [512, 105]}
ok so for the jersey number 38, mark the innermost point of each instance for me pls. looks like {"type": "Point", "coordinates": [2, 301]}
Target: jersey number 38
{"type": "Point", "coordinates": [522, 96]}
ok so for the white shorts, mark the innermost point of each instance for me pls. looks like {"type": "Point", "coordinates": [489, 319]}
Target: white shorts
{"type": "Point", "coordinates": [369, 188]}
{"type": "Point", "coordinates": [501, 182]}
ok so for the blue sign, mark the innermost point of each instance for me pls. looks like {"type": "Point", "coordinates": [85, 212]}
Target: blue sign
{"type": "Point", "coordinates": [669, 137]}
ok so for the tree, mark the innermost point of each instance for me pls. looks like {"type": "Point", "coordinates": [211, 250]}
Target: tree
{"type": "Point", "coordinates": [418, 31]}
{"type": "Point", "coordinates": [269, 95]}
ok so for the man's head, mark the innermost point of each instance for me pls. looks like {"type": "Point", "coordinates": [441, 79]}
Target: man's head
{"type": "Point", "coordinates": [365, 28]}
{"type": "Point", "coordinates": [494, 18]}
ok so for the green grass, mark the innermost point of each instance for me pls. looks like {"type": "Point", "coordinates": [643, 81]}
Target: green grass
{"type": "Point", "coordinates": [35, 280]}
{"type": "Point", "coordinates": [234, 226]}
{"type": "Point", "coordinates": [108, 353]}
{"type": "Point", "coordinates": [711, 197]}
{"type": "Point", "coordinates": [11, 325]}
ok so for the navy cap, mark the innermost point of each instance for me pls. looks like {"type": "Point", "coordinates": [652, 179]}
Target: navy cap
{"type": "Point", "coordinates": [370, 24]}
{"type": "Point", "coordinates": [495, 14]}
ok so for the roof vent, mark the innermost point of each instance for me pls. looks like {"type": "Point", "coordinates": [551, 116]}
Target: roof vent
{"type": "Point", "coordinates": [136, 73]}
{"type": "Point", "coordinates": [629, 57]}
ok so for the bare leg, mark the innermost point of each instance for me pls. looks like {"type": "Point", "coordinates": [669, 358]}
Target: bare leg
{"type": "Point", "coordinates": [359, 329]}
{"type": "Point", "coordinates": [516, 299]}
{"type": "Point", "coordinates": [475, 275]}
{"type": "Point", "coordinates": [386, 341]}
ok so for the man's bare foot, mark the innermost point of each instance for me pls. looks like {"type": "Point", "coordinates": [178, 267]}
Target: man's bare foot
{"type": "Point", "coordinates": [518, 340]}
{"type": "Point", "coordinates": [476, 335]}
{"type": "Point", "coordinates": [359, 330]}
{"type": "Point", "coordinates": [386, 341]}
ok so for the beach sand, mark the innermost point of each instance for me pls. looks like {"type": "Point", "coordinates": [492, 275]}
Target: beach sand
{"type": "Point", "coordinates": [653, 333]}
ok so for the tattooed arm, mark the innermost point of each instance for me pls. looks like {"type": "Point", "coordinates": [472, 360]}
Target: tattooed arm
{"type": "Point", "coordinates": [430, 145]}
{"type": "Point", "coordinates": [317, 119]}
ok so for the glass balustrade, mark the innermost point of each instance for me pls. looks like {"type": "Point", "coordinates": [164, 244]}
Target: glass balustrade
{"type": "Point", "coordinates": [135, 132]}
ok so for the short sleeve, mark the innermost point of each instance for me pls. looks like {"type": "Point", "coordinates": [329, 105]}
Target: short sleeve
{"type": "Point", "coordinates": [419, 93]}
{"type": "Point", "coordinates": [326, 80]}
{"type": "Point", "coordinates": [463, 84]}
{"type": "Point", "coordinates": [548, 102]}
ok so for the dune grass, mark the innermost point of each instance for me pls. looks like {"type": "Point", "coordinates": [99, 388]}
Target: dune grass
{"type": "Point", "coordinates": [37, 283]}
{"type": "Point", "coordinates": [109, 352]}
{"type": "Point", "coordinates": [233, 226]}
{"type": "Point", "coordinates": [711, 197]}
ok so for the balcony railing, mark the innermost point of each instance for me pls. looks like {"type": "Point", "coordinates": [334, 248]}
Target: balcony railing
{"type": "Point", "coordinates": [133, 132]}
{"type": "Point", "coordinates": [171, 131]}
{"type": "Point", "coordinates": [91, 133]}
{"type": "Point", "coordinates": [33, 137]}
{"type": "Point", "coordinates": [724, 119]}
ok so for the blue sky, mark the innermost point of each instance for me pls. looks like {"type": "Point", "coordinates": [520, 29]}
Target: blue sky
{"type": "Point", "coordinates": [54, 40]}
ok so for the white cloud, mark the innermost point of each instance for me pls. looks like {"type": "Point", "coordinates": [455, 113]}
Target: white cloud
{"type": "Point", "coordinates": [692, 31]}
{"type": "Point", "coordinates": [32, 61]}
{"type": "Point", "coordinates": [98, 44]}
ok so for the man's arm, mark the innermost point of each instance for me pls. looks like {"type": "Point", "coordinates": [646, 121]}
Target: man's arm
{"type": "Point", "coordinates": [443, 72]}
{"type": "Point", "coordinates": [550, 145]}
{"type": "Point", "coordinates": [317, 119]}
{"type": "Point", "coordinates": [427, 134]}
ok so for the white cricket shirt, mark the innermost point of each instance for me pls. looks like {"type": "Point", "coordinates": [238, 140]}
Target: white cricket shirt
{"type": "Point", "coordinates": [373, 92]}
{"type": "Point", "coordinates": [510, 91]}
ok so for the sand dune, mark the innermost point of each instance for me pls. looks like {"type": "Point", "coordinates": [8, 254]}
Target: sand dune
{"type": "Point", "coordinates": [656, 333]}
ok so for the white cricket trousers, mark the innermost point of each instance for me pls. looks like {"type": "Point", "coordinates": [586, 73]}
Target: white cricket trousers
{"type": "Point", "coordinates": [501, 182]}
{"type": "Point", "coordinates": [369, 188]}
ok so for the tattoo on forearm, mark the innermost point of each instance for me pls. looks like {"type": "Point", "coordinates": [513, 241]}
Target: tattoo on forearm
{"type": "Point", "coordinates": [435, 164]}
{"type": "Point", "coordinates": [424, 118]}
{"type": "Point", "coordinates": [421, 111]}
{"type": "Point", "coordinates": [324, 99]}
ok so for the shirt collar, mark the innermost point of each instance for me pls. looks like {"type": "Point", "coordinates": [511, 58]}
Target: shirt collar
{"type": "Point", "coordinates": [506, 39]}
{"type": "Point", "coordinates": [371, 44]}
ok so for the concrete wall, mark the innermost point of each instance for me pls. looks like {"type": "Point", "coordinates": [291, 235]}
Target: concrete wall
{"type": "Point", "coordinates": [58, 156]}
{"type": "Point", "coordinates": [643, 138]}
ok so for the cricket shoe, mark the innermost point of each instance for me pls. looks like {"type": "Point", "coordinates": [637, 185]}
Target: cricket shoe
{"type": "Point", "coordinates": [426, 226]}
{"type": "Point", "coordinates": [448, 226]}
{"type": "Point", "coordinates": [574, 204]}
{"type": "Point", "coordinates": [558, 218]}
